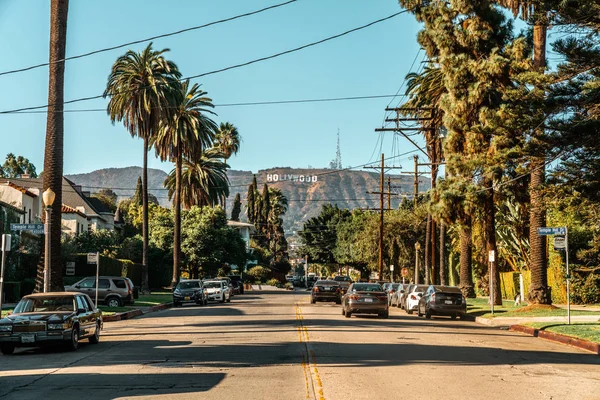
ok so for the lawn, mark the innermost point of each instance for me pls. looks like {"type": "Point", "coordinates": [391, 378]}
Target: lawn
{"type": "Point", "coordinates": [589, 331]}
{"type": "Point", "coordinates": [5, 311]}
{"type": "Point", "coordinates": [153, 299]}
{"type": "Point", "coordinates": [479, 307]}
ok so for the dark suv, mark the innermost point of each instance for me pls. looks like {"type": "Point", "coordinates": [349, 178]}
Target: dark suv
{"type": "Point", "coordinates": [190, 291]}
{"type": "Point", "coordinates": [238, 285]}
{"type": "Point", "coordinates": [114, 291]}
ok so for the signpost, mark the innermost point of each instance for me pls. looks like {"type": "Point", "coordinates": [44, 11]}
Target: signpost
{"type": "Point", "coordinates": [492, 259]}
{"type": "Point", "coordinates": [94, 258]}
{"type": "Point", "coordinates": [392, 272]}
{"type": "Point", "coordinates": [561, 243]}
{"type": "Point", "coordinates": [5, 248]}
{"type": "Point", "coordinates": [37, 229]}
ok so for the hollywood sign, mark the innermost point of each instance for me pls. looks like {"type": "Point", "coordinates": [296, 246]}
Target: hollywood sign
{"type": "Point", "coordinates": [292, 178]}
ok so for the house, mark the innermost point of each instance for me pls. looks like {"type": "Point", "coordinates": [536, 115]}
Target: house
{"type": "Point", "coordinates": [80, 211]}
{"type": "Point", "coordinates": [244, 229]}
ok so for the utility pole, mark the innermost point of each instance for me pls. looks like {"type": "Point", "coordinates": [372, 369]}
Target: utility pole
{"type": "Point", "coordinates": [381, 210]}
{"type": "Point", "coordinates": [389, 193]}
{"type": "Point", "coordinates": [416, 180]}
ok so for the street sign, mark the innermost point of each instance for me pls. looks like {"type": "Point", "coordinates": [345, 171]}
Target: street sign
{"type": "Point", "coordinates": [392, 267]}
{"type": "Point", "coordinates": [559, 243]}
{"type": "Point", "coordinates": [492, 256]}
{"type": "Point", "coordinates": [551, 231]}
{"type": "Point", "coordinates": [70, 271]}
{"type": "Point", "coordinates": [92, 258]}
{"type": "Point", "coordinates": [37, 229]}
{"type": "Point", "coordinates": [404, 272]}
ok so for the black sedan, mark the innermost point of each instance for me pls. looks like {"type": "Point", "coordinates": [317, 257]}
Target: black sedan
{"type": "Point", "coordinates": [61, 318]}
{"type": "Point", "coordinates": [190, 291]}
{"type": "Point", "coordinates": [442, 300]}
{"type": "Point", "coordinates": [326, 291]}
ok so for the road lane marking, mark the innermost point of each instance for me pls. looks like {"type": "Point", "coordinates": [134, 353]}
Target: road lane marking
{"type": "Point", "coordinates": [309, 361]}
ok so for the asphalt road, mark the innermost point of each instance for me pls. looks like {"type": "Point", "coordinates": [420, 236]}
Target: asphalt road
{"type": "Point", "coordinates": [278, 346]}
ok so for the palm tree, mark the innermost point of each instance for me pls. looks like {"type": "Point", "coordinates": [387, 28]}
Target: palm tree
{"type": "Point", "coordinates": [141, 87]}
{"type": "Point", "coordinates": [539, 292]}
{"type": "Point", "coordinates": [227, 140]}
{"type": "Point", "coordinates": [204, 181]}
{"type": "Point", "coordinates": [186, 133]}
{"type": "Point", "coordinates": [53, 151]}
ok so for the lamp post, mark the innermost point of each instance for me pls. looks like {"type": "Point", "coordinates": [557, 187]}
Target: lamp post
{"type": "Point", "coordinates": [48, 198]}
{"type": "Point", "coordinates": [417, 248]}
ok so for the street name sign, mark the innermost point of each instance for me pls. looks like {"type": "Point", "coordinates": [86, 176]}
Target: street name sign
{"type": "Point", "coordinates": [552, 231]}
{"type": "Point", "coordinates": [37, 229]}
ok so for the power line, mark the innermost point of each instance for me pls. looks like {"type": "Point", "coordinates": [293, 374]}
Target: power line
{"type": "Point", "coordinates": [147, 39]}
{"type": "Point", "coordinates": [256, 103]}
{"type": "Point", "coordinates": [226, 68]}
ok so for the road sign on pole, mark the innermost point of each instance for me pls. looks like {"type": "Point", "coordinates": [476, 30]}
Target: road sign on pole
{"type": "Point", "coordinates": [552, 231]}
{"type": "Point", "coordinates": [37, 229]}
{"type": "Point", "coordinates": [559, 243]}
{"type": "Point", "coordinates": [4, 248]}
{"type": "Point", "coordinates": [92, 258]}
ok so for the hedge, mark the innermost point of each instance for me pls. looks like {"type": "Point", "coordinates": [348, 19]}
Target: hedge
{"type": "Point", "coordinates": [108, 267]}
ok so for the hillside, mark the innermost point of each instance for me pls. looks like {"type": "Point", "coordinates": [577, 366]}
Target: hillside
{"type": "Point", "coordinates": [345, 188]}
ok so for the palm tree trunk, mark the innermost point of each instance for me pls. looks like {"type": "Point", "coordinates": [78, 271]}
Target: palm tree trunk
{"type": "Point", "coordinates": [177, 222]}
{"type": "Point", "coordinates": [433, 275]}
{"type": "Point", "coordinates": [490, 238]}
{"type": "Point", "coordinates": [443, 273]}
{"type": "Point", "coordinates": [539, 292]}
{"type": "Point", "coordinates": [145, 280]}
{"type": "Point", "coordinates": [53, 152]}
{"type": "Point", "coordinates": [427, 245]}
{"type": "Point", "coordinates": [466, 253]}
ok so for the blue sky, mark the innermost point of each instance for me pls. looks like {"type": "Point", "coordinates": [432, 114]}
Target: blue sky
{"type": "Point", "coordinates": [373, 61]}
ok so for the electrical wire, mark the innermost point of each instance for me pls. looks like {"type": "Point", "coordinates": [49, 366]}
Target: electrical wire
{"type": "Point", "coordinates": [227, 68]}
{"type": "Point", "coordinates": [164, 35]}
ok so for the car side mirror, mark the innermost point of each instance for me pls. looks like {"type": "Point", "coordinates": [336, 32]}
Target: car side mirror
{"type": "Point", "coordinates": [78, 287]}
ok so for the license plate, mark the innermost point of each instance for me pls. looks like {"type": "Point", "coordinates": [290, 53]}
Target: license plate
{"type": "Point", "coordinates": [368, 300]}
{"type": "Point", "coordinates": [187, 297]}
{"type": "Point", "coordinates": [328, 288]}
{"type": "Point", "coordinates": [27, 338]}
{"type": "Point", "coordinates": [448, 301]}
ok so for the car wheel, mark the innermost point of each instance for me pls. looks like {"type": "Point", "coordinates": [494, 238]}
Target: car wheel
{"type": "Point", "coordinates": [348, 314]}
{"type": "Point", "coordinates": [222, 299]}
{"type": "Point", "coordinates": [453, 316]}
{"type": "Point", "coordinates": [7, 349]}
{"type": "Point", "coordinates": [408, 311]}
{"type": "Point", "coordinates": [73, 344]}
{"type": "Point", "coordinates": [229, 299]}
{"type": "Point", "coordinates": [114, 302]}
{"type": "Point", "coordinates": [313, 301]}
{"type": "Point", "coordinates": [338, 302]}
{"type": "Point", "coordinates": [384, 315]}
{"type": "Point", "coordinates": [96, 338]}
{"type": "Point", "coordinates": [419, 311]}
{"type": "Point", "coordinates": [343, 311]}
{"type": "Point", "coordinates": [427, 314]}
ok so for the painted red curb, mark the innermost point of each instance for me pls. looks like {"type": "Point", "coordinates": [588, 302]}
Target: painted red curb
{"type": "Point", "coordinates": [559, 338]}
{"type": "Point", "coordinates": [135, 313]}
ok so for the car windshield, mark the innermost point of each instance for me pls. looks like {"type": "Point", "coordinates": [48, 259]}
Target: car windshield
{"type": "Point", "coordinates": [212, 285]}
{"type": "Point", "coordinates": [395, 286]}
{"type": "Point", "coordinates": [342, 279]}
{"type": "Point", "coordinates": [188, 285]}
{"type": "Point", "coordinates": [420, 288]}
{"type": "Point", "coordinates": [45, 304]}
{"type": "Point", "coordinates": [368, 287]}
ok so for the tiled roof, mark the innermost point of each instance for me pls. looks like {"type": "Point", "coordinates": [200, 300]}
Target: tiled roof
{"type": "Point", "coordinates": [21, 189]}
{"type": "Point", "coordinates": [65, 209]}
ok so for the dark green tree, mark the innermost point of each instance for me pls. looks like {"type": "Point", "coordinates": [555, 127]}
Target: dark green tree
{"type": "Point", "coordinates": [15, 167]}
{"type": "Point", "coordinates": [237, 208]}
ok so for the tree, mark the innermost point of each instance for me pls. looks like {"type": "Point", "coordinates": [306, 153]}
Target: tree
{"type": "Point", "coordinates": [187, 132]}
{"type": "Point", "coordinates": [237, 208]}
{"type": "Point", "coordinates": [319, 234]}
{"type": "Point", "coordinates": [204, 180]}
{"type": "Point", "coordinates": [15, 167]}
{"type": "Point", "coordinates": [108, 198]}
{"type": "Point", "coordinates": [227, 140]}
{"type": "Point", "coordinates": [54, 147]}
{"type": "Point", "coordinates": [141, 90]}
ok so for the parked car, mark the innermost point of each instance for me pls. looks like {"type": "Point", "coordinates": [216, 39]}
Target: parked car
{"type": "Point", "coordinates": [238, 284]}
{"type": "Point", "coordinates": [61, 318]}
{"type": "Point", "coordinates": [344, 282]}
{"type": "Point", "coordinates": [228, 280]}
{"type": "Point", "coordinates": [402, 298]}
{"type": "Point", "coordinates": [190, 291]}
{"type": "Point", "coordinates": [365, 298]}
{"type": "Point", "coordinates": [218, 290]}
{"type": "Point", "coordinates": [326, 291]}
{"type": "Point", "coordinates": [442, 300]}
{"type": "Point", "coordinates": [391, 289]}
{"type": "Point", "coordinates": [114, 291]}
{"type": "Point", "coordinates": [411, 302]}
{"type": "Point", "coordinates": [395, 297]}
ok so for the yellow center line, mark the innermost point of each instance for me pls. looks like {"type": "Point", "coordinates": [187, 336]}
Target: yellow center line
{"type": "Point", "coordinates": [311, 372]}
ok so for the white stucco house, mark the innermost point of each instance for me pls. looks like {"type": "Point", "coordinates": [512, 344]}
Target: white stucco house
{"type": "Point", "coordinates": [26, 200]}
{"type": "Point", "coordinates": [244, 229]}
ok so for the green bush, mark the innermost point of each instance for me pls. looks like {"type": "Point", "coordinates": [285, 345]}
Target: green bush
{"type": "Point", "coordinates": [585, 289]}
{"type": "Point", "coordinates": [259, 273]}
{"type": "Point", "coordinates": [273, 282]}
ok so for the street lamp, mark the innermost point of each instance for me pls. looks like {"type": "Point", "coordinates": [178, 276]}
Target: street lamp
{"type": "Point", "coordinates": [48, 198]}
{"type": "Point", "coordinates": [417, 248]}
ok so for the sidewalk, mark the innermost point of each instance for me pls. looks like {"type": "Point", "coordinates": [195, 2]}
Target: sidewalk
{"type": "Point", "coordinates": [509, 321]}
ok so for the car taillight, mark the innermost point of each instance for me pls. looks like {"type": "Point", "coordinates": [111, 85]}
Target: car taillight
{"type": "Point", "coordinates": [413, 297]}
{"type": "Point", "coordinates": [315, 289]}
{"type": "Point", "coordinates": [433, 298]}
{"type": "Point", "coordinates": [354, 297]}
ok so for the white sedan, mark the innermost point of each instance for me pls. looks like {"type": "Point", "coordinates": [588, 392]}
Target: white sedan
{"type": "Point", "coordinates": [218, 290]}
{"type": "Point", "coordinates": [412, 299]}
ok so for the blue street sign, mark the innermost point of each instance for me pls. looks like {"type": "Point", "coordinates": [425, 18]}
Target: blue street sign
{"type": "Point", "coordinates": [551, 231]}
{"type": "Point", "coordinates": [37, 229]}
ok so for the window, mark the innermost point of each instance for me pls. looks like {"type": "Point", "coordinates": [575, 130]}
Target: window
{"type": "Point", "coordinates": [82, 304]}
{"type": "Point", "coordinates": [103, 284]}
{"type": "Point", "coordinates": [120, 283]}
{"type": "Point", "coordinates": [89, 303]}
{"type": "Point", "coordinates": [87, 283]}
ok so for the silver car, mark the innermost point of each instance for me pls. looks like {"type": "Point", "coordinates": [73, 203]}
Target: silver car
{"type": "Point", "coordinates": [114, 291]}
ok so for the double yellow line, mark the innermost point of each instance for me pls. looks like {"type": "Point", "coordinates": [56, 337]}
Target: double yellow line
{"type": "Point", "coordinates": [314, 385]}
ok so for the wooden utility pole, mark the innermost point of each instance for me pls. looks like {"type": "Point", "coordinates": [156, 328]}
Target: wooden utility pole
{"type": "Point", "coordinates": [389, 193]}
{"type": "Point", "coordinates": [416, 181]}
{"type": "Point", "coordinates": [381, 210]}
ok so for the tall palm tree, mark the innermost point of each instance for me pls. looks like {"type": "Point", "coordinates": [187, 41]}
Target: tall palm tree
{"type": "Point", "coordinates": [53, 151]}
{"type": "Point", "coordinates": [186, 132]}
{"type": "Point", "coordinates": [204, 181]}
{"type": "Point", "coordinates": [141, 87]}
{"type": "Point", "coordinates": [539, 292]}
{"type": "Point", "coordinates": [227, 140]}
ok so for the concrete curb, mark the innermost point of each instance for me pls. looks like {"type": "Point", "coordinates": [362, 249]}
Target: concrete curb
{"type": "Point", "coordinates": [557, 337]}
{"type": "Point", "coordinates": [135, 313]}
